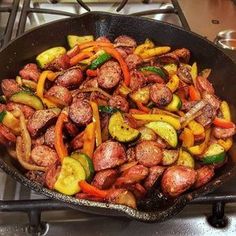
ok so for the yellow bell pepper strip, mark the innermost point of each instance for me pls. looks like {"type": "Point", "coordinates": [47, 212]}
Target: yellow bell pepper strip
{"type": "Point", "coordinates": [20, 157]}
{"type": "Point", "coordinates": [156, 110]}
{"type": "Point", "coordinates": [222, 123]}
{"type": "Point", "coordinates": [122, 63]}
{"type": "Point", "coordinates": [224, 108]}
{"type": "Point", "coordinates": [40, 87]}
{"type": "Point", "coordinates": [92, 190]}
{"type": "Point", "coordinates": [226, 144]}
{"type": "Point", "coordinates": [123, 90]}
{"type": "Point", "coordinates": [79, 57]}
{"type": "Point", "coordinates": [155, 52]}
{"type": "Point", "coordinates": [58, 141]}
{"type": "Point", "coordinates": [199, 149]}
{"type": "Point", "coordinates": [187, 138]}
{"type": "Point", "coordinates": [10, 121]}
{"type": "Point", "coordinates": [194, 73]}
{"type": "Point", "coordinates": [196, 128]}
{"type": "Point", "coordinates": [171, 69]}
{"type": "Point", "coordinates": [173, 83]}
{"type": "Point", "coordinates": [96, 119]}
{"type": "Point", "coordinates": [159, 117]}
{"type": "Point", "coordinates": [142, 47]}
{"type": "Point", "coordinates": [89, 139]}
{"type": "Point", "coordinates": [194, 94]}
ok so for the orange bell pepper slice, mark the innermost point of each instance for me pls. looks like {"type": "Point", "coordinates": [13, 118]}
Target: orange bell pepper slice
{"type": "Point", "coordinates": [223, 123]}
{"type": "Point", "coordinates": [89, 139]}
{"type": "Point", "coordinates": [92, 190]}
{"type": "Point", "coordinates": [58, 142]}
{"type": "Point", "coordinates": [194, 94]}
{"type": "Point", "coordinates": [95, 43]}
{"type": "Point", "coordinates": [79, 57]}
{"type": "Point", "coordinates": [114, 53]}
{"type": "Point", "coordinates": [187, 137]}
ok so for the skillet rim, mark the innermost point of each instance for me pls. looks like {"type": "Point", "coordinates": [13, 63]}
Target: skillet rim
{"type": "Point", "coordinates": [156, 216]}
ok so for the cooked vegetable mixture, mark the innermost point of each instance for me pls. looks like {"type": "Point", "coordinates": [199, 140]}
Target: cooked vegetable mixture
{"type": "Point", "coordinates": [109, 121]}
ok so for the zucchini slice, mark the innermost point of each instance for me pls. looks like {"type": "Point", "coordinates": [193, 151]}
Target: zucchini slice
{"type": "Point", "coordinates": [72, 172]}
{"type": "Point", "coordinates": [27, 98]}
{"type": "Point", "coordinates": [185, 159]}
{"type": "Point", "coordinates": [165, 131]}
{"type": "Point", "coordinates": [175, 104]}
{"type": "Point", "coordinates": [214, 154]}
{"type": "Point", "coordinates": [86, 162]}
{"type": "Point", "coordinates": [75, 39]}
{"type": "Point", "coordinates": [141, 95]}
{"type": "Point", "coordinates": [169, 157]}
{"type": "Point", "coordinates": [49, 55]}
{"type": "Point", "coordinates": [119, 130]}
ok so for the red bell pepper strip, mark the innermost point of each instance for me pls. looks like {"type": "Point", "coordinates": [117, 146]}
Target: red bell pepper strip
{"type": "Point", "coordinates": [90, 189]}
{"type": "Point", "coordinates": [59, 144]}
{"type": "Point", "coordinates": [223, 123]}
{"type": "Point", "coordinates": [114, 53]}
{"type": "Point", "coordinates": [194, 94]}
{"type": "Point", "coordinates": [91, 73]}
{"type": "Point", "coordinates": [142, 107]}
{"type": "Point", "coordinates": [79, 57]}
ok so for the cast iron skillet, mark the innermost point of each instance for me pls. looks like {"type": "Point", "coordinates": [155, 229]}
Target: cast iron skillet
{"type": "Point", "coordinates": [25, 48]}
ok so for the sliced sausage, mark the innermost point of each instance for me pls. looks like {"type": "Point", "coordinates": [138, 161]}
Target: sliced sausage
{"type": "Point", "coordinates": [133, 61]}
{"type": "Point", "coordinates": [184, 73]}
{"type": "Point", "coordinates": [207, 115]}
{"type": "Point", "coordinates": [160, 94]}
{"type": "Point", "coordinates": [223, 133]}
{"type": "Point", "coordinates": [36, 176]}
{"type": "Point", "coordinates": [27, 111]}
{"type": "Point", "coordinates": [108, 155]}
{"type": "Point", "coordinates": [177, 179]}
{"type": "Point", "coordinates": [109, 75]}
{"type": "Point", "coordinates": [127, 165]}
{"type": "Point", "coordinates": [130, 153]}
{"type": "Point", "coordinates": [161, 143]}
{"type": "Point", "coordinates": [77, 141]}
{"type": "Point", "coordinates": [203, 84]}
{"type": "Point", "coordinates": [137, 80]}
{"type": "Point", "coordinates": [168, 58]}
{"type": "Point", "coordinates": [125, 41]}
{"type": "Point", "coordinates": [99, 98]}
{"type": "Point", "coordinates": [103, 39]}
{"type": "Point", "coordinates": [49, 136]}
{"type": "Point", "coordinates": [183, 54]}
{"type": "Point", "coordinates": [122, 196]}
{"type": "Point", "coordinates": [90, 197]}
{"type": "Point", "coordinates": [104, 179]}
{"type": "Point", "coordinates": [72, 78]}
{"type": "Point", "coordinates": [60, 63]}
{"type": "Point", "coordinates": [7, 134]}
{"type": "Point", "coordinates": [9, 87]}
{"type": "Point", "coordinates": [51, 176]}
{"type": "Point", "coordinates": [38, 141]}
{"type": "Point", "coordinates": [155, 173]}
{"type": "Point", "coordinates": [138, 190]}
{"type": "Point", "coordinates": [119, 102]}
{"type": "Point", "coordinates": [212, 100]}
{"type": "Point", "coordinates": [41, 120]}
{"type": "Point", "coordinates": [80, 112]}
{"type": "Point", "coordinates": [148, 153]}
{"type": "Point", "coordinates": [71, 128]}
{"type": "Point", "coordinates": [204, 175]}
{"type": "Point", "coordinates": [153, 78]}
{"type": "Point", "coordinates": [43, 155]}
{"type": "Point", "coordinates": [30, 72]}
{"type": "Point", "coordinates": [122, 52]}
{"type": "Point", "coordinates": [132, 175]}
{"type": "Point", "coordinates": [89, 83]}
{"type": "Point", "coordinates": [60, 95]}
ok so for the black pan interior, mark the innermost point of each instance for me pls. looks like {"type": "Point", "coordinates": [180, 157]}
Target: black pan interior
{"type": "Point", "coordinates": [24, 50]}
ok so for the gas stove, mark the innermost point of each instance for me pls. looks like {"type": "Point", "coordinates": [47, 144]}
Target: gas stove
{"type": "Point", "coordinates": [23, 212]}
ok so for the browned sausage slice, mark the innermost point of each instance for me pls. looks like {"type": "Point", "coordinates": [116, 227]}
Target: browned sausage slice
{"type": "Point", "coordinates": [72, 78]}
{"type": "Point", "coordinates": [183, 54]}
{"type": "Point", "coordinates": [204, 175]}
{"type": "Point", "coordinates": [30, 72]}
{"type": "Point", "coordinates": [81, 112]}
{"type": "Point", "coordinates": [9, 87]}
{"type": "Point", "coordinates": [155, 173]}
{"type": "Point", "coordinates": [89, 83]}
{"type": "Point", "coordinates": [133, 61]}
{"type": "Point", "coordinates": [184, 73]}
{"type": "Point", "coordinates": [203, 84]}
{"type": "Point", "coordinates": [60, 95]}
{"type": "Point", "coordinates": [40, 120]}
{"type": "Point", "coordinates": [51, 176]}
{"type": "Point", "coordinates": [103, 39]}
{"type": "Point", "coordinates": [7, 134]}
{"type": "Point", "coordinates": [177, 179]}
{"type": "Point", "coordinates": [109, 75]}
{"type": "Point", "coordinates": [108, 155]}
{"type": "Point", "coordinates": [49, 136]}
{"type": "Point", "coordinates": [223, 133]}
{"type": "Point", "coordinates": [125, 41]}
{"type": "Point", "coordinates": [137, 80]}
{"type": "Point", "coordinates": [104, 179]}
{"type": "Point", "coordinates": [148, 153]}
{"type": "Point", "coordinates": [160, 94]}
{"type": "Point", "coordinates": [131, 154]}
{"type": "Point", "coordinates": [152, 78]}
{"type": "Point", "coordinates": [138, 190]}
{"type": "Point", "coordinates": [27, 111]}
{"type": "Point", "coordinates": [60, 63]}
{"type": "Point", "coordinates": [119, 102]}
{"type": "Point", "coordinates": [38, 141]}
{"type": "Point", "coordinates": [43, 155]}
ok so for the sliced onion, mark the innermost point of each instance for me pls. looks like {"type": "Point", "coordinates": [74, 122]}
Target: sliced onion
{"type": "Point", "coordinates": [20, 157]}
